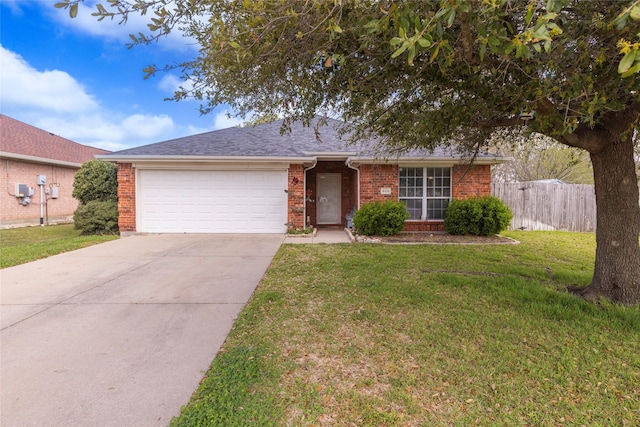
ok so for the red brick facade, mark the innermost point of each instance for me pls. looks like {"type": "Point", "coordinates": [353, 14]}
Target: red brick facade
{"type": "Point", "coordinates": [295, 204]}
{"type": "Point", "coordinates": [348, 183]}
{"type": "Point", "coordinates": [28, 152]}
{"type": "Point", "coordinates": [57, 210]}
{"type": "Point", "coordinates": [471, 181]}
{"type": "Point", "coordinates": [126, 197]}
{"type": "Point", "coordinates": [375, 177]}
{"type": "Point", "coordinates": [374, 181]}
{"type": "Point", "coordinates": [467, 181]}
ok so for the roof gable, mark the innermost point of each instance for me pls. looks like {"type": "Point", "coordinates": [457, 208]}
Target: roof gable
{"type": "Point", "coordinates": [25, 140]}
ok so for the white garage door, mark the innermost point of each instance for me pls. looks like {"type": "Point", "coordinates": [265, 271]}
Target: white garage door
{"type": "Point", "coordinates": [212, 201]}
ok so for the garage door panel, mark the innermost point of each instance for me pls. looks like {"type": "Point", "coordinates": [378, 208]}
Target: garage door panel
{"type": "Point", "coordinates": [212, 201]}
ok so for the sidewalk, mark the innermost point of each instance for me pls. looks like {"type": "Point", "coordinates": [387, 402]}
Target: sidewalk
{"type": "Point", "coordinates": [323, 235]}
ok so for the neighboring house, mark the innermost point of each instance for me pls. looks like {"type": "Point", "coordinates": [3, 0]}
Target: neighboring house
{"type": "Point", "coordinates": [28, 157]}
{"type": "Point", "coordinates": [256, 180]}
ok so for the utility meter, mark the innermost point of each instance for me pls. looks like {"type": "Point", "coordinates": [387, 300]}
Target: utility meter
{"type": "Point", "coordinates": [41, 180]}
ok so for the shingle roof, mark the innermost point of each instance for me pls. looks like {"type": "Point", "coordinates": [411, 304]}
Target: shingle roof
{"type": "Point", "coordinates": [266, 140]}
{"type": "Point", "coordinates": [22, 139]}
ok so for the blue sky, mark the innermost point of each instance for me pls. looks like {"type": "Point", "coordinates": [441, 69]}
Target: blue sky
{"type": "Point", "coordinates": [76, 78]}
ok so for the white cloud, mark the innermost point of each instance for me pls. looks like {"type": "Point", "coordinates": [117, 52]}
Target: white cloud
{"type": "Point", "coordinates": [54, 101]}
{"type": "Point", "coordinates": [23, 85]}
{"type": "Point", "coordinates": [170, 83]}
{"type": "Point", "coordinates": [108, 133]}
{"type": "Point", "coordinates": [222, 120]}
{"type": "Point", "coordinates": [114, 29]}
{"type": "Point", "coordinates": [145, 126]}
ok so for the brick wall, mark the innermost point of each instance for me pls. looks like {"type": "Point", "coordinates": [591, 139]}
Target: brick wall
{"type": "Point", "coordinates": [14, 172]}
{"type": "Point", "coordinates": [471, 181]}
{"type": "Point", "coordinates": [349, 198]}
{"type": "Point", "coordinates": [375, 177]}
{"type": "Point", "coordinates": [295, 204]}
{"type": "Point", "coordinates": [126, 197]}
{"type": "Point", "coordinates": [467, 181]}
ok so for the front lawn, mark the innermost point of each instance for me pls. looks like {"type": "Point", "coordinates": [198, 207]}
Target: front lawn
{"type": "Point", "coordinates": [20, 245]}
{"type": "Point", "coordinates": [378, 335]}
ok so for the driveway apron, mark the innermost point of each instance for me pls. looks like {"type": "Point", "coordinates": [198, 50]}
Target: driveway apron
{"type": "Point", "coordinates": [121, 333]}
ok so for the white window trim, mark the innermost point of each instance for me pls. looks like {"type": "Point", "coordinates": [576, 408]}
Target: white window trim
{"type": "Point", "coordinates": [424, 198]}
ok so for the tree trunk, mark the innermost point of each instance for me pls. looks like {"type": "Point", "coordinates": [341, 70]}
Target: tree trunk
{"type": "Point", "coordinates": [617, 267]}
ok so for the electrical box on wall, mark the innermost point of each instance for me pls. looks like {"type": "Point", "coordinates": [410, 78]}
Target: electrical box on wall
{"type": "Point", "coordinates": [54, 192]}
{"type": "Point", "coordinates": [32, 191]}
{"type": "Point", "coordinates": [22, 190]}
{"type": "Point", "coordinates": [41, 179]}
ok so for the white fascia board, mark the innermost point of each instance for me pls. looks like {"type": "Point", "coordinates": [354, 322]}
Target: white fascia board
{"type": "Point", "coordinates": [205, 159]}
{"type": "Point", "coordinates": [212, 163]}
{"type": "Point", "coordinates": [338, 155]}
{"type": "Point", "coordinates": [36, 159]}
{"type": "Point", "coordinates": [436, 161]}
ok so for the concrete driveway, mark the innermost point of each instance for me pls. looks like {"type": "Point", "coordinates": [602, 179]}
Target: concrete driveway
{"type": "Point", "coordinates": [120, 334]}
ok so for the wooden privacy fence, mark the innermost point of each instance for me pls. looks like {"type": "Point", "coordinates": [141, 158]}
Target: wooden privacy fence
{"type": "Point", "coordinates": [542, 206]}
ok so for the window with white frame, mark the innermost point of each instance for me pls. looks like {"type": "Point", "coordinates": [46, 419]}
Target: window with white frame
{"type": "Point", "coordinates": [425, 191]}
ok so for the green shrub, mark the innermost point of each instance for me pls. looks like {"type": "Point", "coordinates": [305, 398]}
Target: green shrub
{"type": "Point", "coordinates": [96, 180]}
{"type": "Point", "coordinates": [97, 217]}
{"type": "Point", "coordinates": [95, 185]}
{"type": "Point", "coordinates": [481, 216]}
{"type": "Point", "coordinates": [463, 217]}
{"type": "Point", "coordinates": [381, 219]}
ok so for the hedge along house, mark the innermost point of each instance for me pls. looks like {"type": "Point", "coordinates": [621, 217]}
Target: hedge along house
{"type": "Point", "coordinates": [257, 180]}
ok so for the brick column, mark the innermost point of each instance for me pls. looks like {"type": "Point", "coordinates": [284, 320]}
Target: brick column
{"type": "Point", "coordinates": [295, 204]}
{"type": "Point", "coordinates": [126, 197]}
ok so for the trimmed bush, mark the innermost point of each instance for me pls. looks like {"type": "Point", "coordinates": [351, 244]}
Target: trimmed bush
{"type": "Point", "coordinates": [480, 216]}
{"type": "Point", "coordinates": [381, 219]}
{"type": "Point", "coordinates": [96, 180]}
{"type": "Point", "coordinates": [463, 217]}
{"type": "Point", "coordinates": [97, 217]}
{"type": "Point", "coordinates": [95, 185]}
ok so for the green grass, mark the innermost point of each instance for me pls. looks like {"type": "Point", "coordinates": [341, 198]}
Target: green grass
{"type": "Point", "coordinates": [20, 245]}
{"type": "Point", "coordinates": [376, 335]}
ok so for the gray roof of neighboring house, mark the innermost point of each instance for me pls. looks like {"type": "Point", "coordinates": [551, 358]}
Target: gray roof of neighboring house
{"type": "Point", "coordinates": [266, 140]}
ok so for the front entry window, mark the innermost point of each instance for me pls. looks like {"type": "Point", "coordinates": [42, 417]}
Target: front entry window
{"type": "Point", "coordinates": [426, 192]}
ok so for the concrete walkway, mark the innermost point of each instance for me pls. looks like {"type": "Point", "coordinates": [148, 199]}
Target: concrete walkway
{"type": "Point", "coordinates": [323, 235]}
{"type": "Point", "coordinates": [120, 334]}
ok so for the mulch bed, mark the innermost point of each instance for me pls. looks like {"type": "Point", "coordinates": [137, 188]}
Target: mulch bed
{"type": "Point", "coordinates": [440, 238]}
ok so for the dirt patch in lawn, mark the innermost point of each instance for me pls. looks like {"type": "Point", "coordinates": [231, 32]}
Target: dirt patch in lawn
{"type": "Point", "coordinates": [437, 239]}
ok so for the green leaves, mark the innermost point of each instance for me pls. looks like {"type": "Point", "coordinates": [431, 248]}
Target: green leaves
{"type": "Point", "coordinates": [73, 10]}
{"type": "Point", "coordinates": [630, 63]}
{"type": "Point", "coordinates": [67, 4]}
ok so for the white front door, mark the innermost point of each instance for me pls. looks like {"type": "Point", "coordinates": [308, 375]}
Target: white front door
{"type": "Point", "coordinates": [328, 198]}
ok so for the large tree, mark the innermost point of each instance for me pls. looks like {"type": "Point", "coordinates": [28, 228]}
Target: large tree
{"type": "Point", "coordinates": [424, 73]}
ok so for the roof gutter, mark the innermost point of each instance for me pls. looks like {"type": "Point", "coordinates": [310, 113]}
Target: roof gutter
{"type": "Point", "coordinates": [304, 204]}
{"type": "Point", "coordinates": [36, 159]}
{"type": "Point", "coordinates": [427, 160]}
{"type": "Point", "coordinates": [186, 159]}
{"type": "Point", "coordinates": [357, 169]}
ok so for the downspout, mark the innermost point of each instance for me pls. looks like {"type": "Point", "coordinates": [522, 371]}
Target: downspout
{"type": "Point", "coordinates": [304, 180]}
{"type": "Point", "coordinates": [357, 169]}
